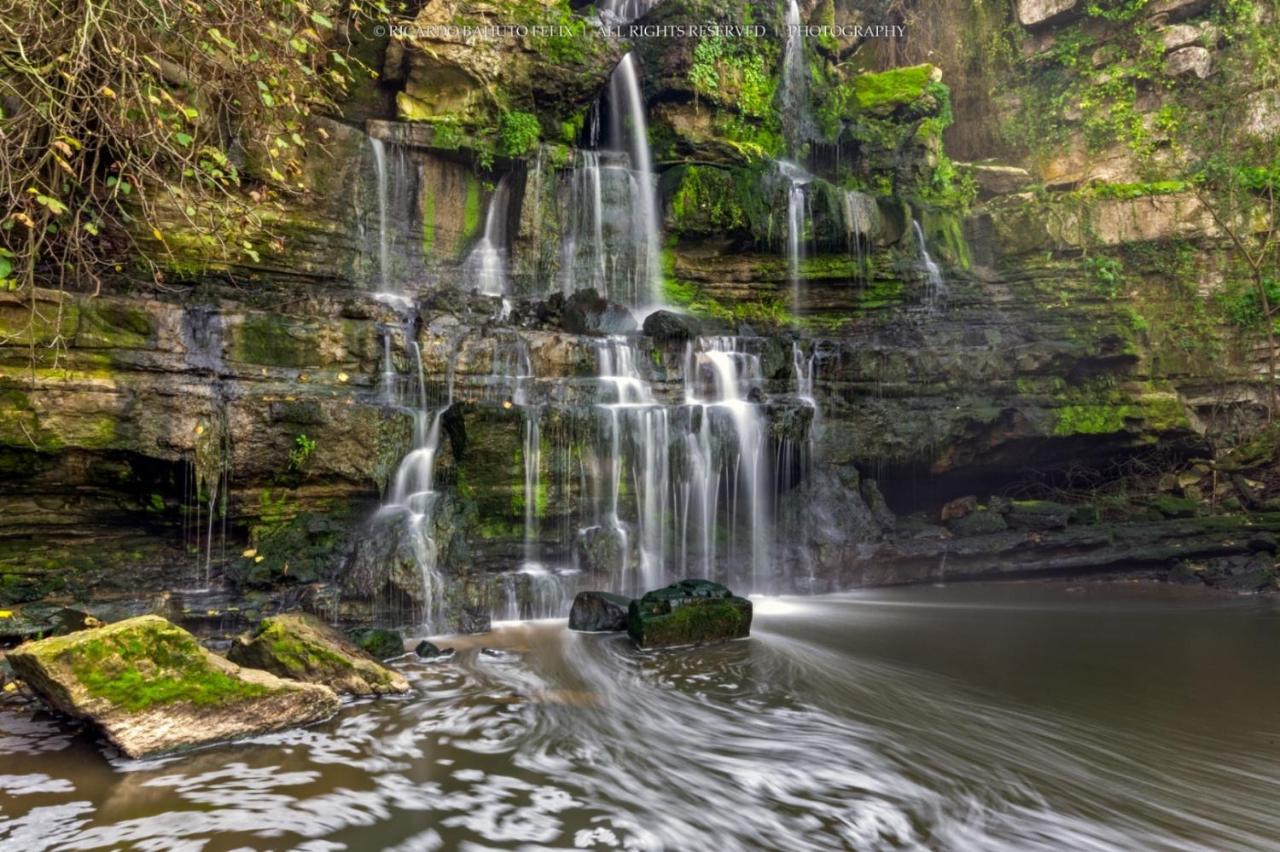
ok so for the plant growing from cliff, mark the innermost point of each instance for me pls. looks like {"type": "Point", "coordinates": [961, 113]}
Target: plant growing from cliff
{"type": "Point", "coordinates": [121, 119]}
{"type": "Point", "coordinates": [518, 133]}
{"type": "Point", "coordinates": [303, 447]}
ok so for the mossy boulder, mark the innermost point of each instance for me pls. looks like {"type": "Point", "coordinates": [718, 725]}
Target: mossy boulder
{"type": "Point", "coordinates": [690, 612]}
{"type": "Point", "coordinates": [378, 642]}
{"type": "Point", "coordinates": [304, 648]}
{"type": "Point", "coordinates": [151, 687]}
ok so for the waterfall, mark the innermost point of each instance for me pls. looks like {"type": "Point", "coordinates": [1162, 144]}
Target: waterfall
{"type": "Point", "coordinates": [395, 189]}
{"type": "Point", "coordinates": [861, 220]}
{"type": "Point", "coordinates": [935, 288]}
{"type": "Point", "coordinates": [486, 266]}
{"type": "Point", "coordinates": [794, 91]}
{"type": "Point", "coordinates": [733, 376]}
{"type": "Point", "coordinates": [384, 252]}
{"type": "Point", "coordinates": [611, 241]}
{"type": "Point", "coordinates": [412, 497]}
{"type": "Point", "coordinates": [628, 103]}
{"type": "Point", "coordinates": [798, 219]}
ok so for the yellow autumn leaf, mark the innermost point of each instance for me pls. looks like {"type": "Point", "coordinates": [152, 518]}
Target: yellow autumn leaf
{"type": "Point", "coordinates": [107, 92]}
{"type": "Point", "coordinates": [156, 233]}
{"type": "Point", "coordinates": [10, 687]}
{"type": "Point", "coordinates": [4, 613]}
{"type": "Point", "coordinates": [342, 377]}
{"type": "Point", "coordinates": [250, 553]}
{"type": "Point", "coordinates": [257, 559]}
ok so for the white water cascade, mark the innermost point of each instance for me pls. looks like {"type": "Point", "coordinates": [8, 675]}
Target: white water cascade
{"type": "Point", "coordinates": [486, 266]}
{"type": "Point", "coordinates": [412, 497]}
{"type": "Point", "coordinates": [395, 185]}
{"type": "Point", "coordinates": [612, 240]}
{"type": "Point", "coordinates": [795, 87]}
{"type": "Point", "coordinates": [935, 288]}
{"type": "Point", "coordinates": [798, 220]}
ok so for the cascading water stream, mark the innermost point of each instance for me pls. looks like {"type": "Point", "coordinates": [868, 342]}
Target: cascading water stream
{"type": "Point", "coordinates": [486, 266]}
{"type": "Point", "coordinates": [935, 288]}
{"type": "Point", "coordinates": [798, 219]}
{"type": "Point", "coordinates": [795, 87]}
{"type": "Point", "coordinates": [412, 494]}
{"type": "Point", "coordinates": [629, 112]}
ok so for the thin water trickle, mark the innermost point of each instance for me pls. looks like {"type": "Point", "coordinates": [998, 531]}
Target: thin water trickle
{"type": "Point", "coordinates": [935, 288]}
{"type": "Point", "coordinates": [486, 265]}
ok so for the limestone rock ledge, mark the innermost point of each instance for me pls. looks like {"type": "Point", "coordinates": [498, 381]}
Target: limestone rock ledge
{"type": "Point", "coordinates": [304, 648]}
{"type": "Point", "coordinates": [152, 688]}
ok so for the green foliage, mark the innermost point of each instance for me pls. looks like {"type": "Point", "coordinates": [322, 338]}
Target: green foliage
{"type": "Point", "coordinates": [303, 447]}
{"type": "Point", "coordinates": [518, 133]}
{"type": "Point", "coordinates": [1106, 273]}
{"type": "Point", "coordinates": [121, 117]}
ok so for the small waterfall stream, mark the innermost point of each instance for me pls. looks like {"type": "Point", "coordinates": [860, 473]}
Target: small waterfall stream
{"type": "Point", "coordinates": [935, 287]}
{"type": "Point", "coordinates": [798, 222]}
{"type": "Point", "coordinates": [486, 266]}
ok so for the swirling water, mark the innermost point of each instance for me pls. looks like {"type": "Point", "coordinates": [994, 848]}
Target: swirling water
{"type": "Point", "coordinates": [969, 717]}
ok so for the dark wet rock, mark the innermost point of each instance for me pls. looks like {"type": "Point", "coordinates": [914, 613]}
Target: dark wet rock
{"type": "Point", "coordinates": [39, 621]}
{"type": "Point", "coordinates": [1038, 515]}
{"type": "Point", "coordinates": [474, 620]}
{"type": "Point", "coordinates": [690, 612]}
{"type": "Point", "coordinates": [587, 312]}
{"type": "Point", "coordinates": [1241, 573]}
{"type": "Point", "coordinates": [378, 642]}
{"type": "Point", "coordinates": [983, 521]}
{"type": "Point", "coordinates": [876, 503]}
{"type": "Point", "coordinates": [667, 326]}
{"type": "Point", "coordinates": [599, 612]}
{"type": "Point", "coordinates": [303, 647]}
{"type": "Point", "coordinates": [958, 508]}
{"type": "Point", "coordinates": [497, 655]}
{"type": "Point", "coordinates": [428, 650]}
{"type": "Point", "coordinates": [151, 687]}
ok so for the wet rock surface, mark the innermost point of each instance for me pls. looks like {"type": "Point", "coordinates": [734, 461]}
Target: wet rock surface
{"type": "Point", "coordinates": [302, 647]}
{"type": "Point", "coordinates": [151, 688]}
{"type": "Point", "coordinates": [598, 612]}
{"type": "Point", "coordinates": [690, 612]}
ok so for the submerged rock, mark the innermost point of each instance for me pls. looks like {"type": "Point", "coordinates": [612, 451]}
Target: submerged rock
{"type": "Point", "coordinates": [378, 642]}
{"type": "Point", "coordinates": [690, 612]}
{"type": "Point", "coordinates": [304, 648]}
{"type": "Point", "coordinates": [151, 687]}
{"type": "Point", "coordinates": [599, 612]}
{"type": "Point", "coordinates": [431, 651]}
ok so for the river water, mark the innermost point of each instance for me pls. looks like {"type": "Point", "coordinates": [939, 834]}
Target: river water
{"type": "Point", "coordinates": [1016, 716]}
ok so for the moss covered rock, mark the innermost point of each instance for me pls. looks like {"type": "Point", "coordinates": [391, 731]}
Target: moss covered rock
{"type": "Point", "coordinates": [152, 688]}
{"type": "Point", "coordinates": [304, 648]}
{"type": "Point", "coordinates": [378, 642]}
{"type": "Point", "coordinates": [690, 612]}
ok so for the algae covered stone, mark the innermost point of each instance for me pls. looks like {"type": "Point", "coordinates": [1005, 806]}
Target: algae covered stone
{"type": "Point", "coordinates": [304, 648]}
{"type": "Point", "coordinates": [690, 612]}
{"type": "Point", "coordinates": [151, 687]}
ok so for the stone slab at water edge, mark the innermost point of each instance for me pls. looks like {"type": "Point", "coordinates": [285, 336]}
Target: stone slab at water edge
{"type": "Point", "coordinates": [599, 612]}
{"type": "Point", "coordinates": [690, 612]}
{"type": "Point", "coordinates": [151, 687]}
{"type": "Point", "coordinates": [304, 648]}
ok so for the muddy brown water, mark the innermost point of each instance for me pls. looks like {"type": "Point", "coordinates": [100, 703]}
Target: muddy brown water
{"type": "Point", "coordinates": [1014, 716]}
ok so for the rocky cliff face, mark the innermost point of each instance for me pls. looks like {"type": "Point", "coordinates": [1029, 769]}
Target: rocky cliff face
{"type": "Point", "coordinates": [434, 398]}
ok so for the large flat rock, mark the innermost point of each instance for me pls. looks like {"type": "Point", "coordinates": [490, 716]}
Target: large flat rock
{"type": "Point", "coordinates": [302, 647]}
{"type": "Point", "coordinates": [151, 687]}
